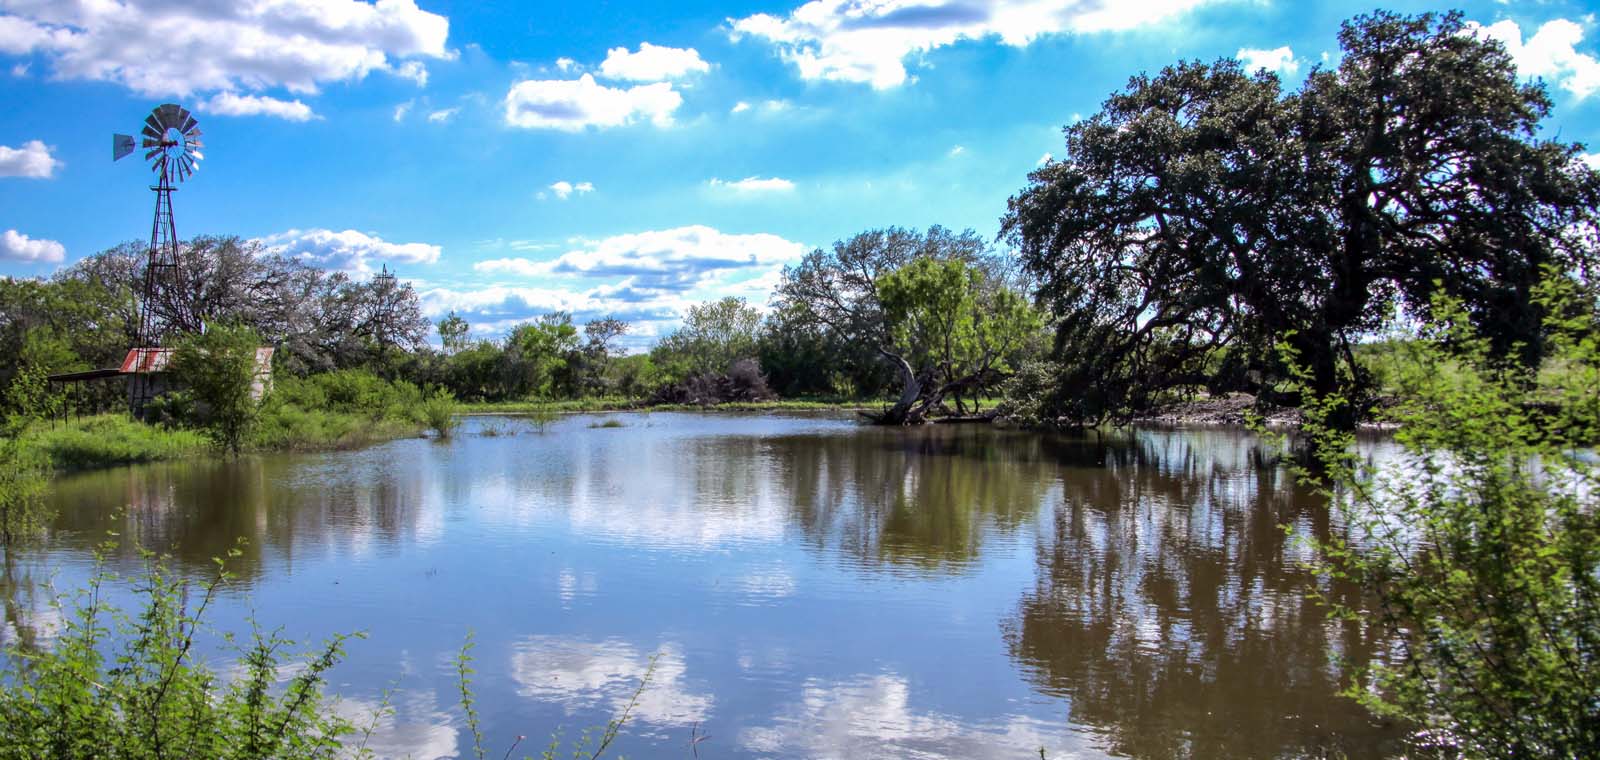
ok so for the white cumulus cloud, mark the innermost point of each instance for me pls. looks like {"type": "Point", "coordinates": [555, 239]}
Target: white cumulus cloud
{"type": "Point", "coordinates": [178, 48]}
{"type": "Point", "coordinates": [348, 251]}
{"type": "Point", "coordinates": [234, 104]}
{"type": "Point", "coordinates": [1279, 60]}
{"type": "Point", "coordinates": [416, 71]}
{"type": "Point", "coordinates": [754, 185]}
{"type": "Point", "coordinates": [565, 189]}
{"type": "Point", "coordinates": [15, 246]}
{"type": "Point", "coordinates": [659, 261]}
{"type": "Point", "coordinates": [648, 279]}
{"type": "Point", "coordinates": [867, 41]}
{"type": "Point", "coordinates": [32, 160]}
{"type": "Point", "coordinates": [653, 63]}
{"type": "Point", "coordinates": [1551, 53]}
{"type": "Point", "coordinates": [573, 105]}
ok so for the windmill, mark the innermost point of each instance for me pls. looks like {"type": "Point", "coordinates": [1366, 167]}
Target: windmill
{"type": "Point", "coordinates": [171, 138]}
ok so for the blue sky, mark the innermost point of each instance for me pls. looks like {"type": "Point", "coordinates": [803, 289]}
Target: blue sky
{"type": "Point", "coordinates": [611, 158]}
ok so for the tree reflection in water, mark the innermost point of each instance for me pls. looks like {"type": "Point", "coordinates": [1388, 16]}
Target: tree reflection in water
{"type": "Point", "coordinates": [1172, 612]}
{"type": "Point", "coordinates": [920, 499]}
{"type": "Point", "coordinates": [1162, 610]}
{"type": "Point", "coordinates": [263, 505]}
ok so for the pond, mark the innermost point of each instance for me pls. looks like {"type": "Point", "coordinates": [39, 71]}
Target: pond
{"type": "Point", "coordinates": [807, 586]}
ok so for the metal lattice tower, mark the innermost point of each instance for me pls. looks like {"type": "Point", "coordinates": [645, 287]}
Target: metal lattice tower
{"type": "Point", "coordinates": [172, 136]}
{"type": "Point", "coordinates": [160, 268]}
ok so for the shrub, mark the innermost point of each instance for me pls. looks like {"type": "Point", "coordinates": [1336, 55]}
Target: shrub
{"type": "Point", "coordinates": [218, 367]}
{"type": "Point", "coordinates": [130, 687]}
{"type": "Point", "coordinates": [439, 412]}
{"type": "Point", "coordinates": [1482, 543]}
{"type": "Point", "coordinates": [743, 382]}
{"type": "Point", "coordinates": [350, 391]}
{"type": "Point", "coordinates": [115, 685]}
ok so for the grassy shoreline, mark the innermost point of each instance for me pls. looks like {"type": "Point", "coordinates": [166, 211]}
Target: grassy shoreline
{"type": "Point", "coordinates": [115, 439]}
{"type": "Point", "coordinates": [112, 440]}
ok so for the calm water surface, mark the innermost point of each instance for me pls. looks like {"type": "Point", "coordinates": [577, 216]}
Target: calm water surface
{"type": "Point", "coordinates": [809, 587]}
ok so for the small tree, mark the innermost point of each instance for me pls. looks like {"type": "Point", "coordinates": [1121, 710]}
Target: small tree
{"type": "Point", "coordinates": [453, 333]}
{"type": "Point", "coordinates": [536, 355]}
{"type": "Point", "coordinates": [955, 324]}
{"type": "Point", "coordinates": [218, 367]}
{"type": "Point", "coordinates": [714, 335]}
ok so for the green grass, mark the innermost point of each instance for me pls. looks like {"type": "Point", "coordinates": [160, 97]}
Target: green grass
{"type": "Point", "coordinates": [291, 428]}
{"type": "Point", "coordinates": [113, 439]}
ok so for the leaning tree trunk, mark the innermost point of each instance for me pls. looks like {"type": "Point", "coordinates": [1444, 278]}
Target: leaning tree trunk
{"type": "Point", "coordinates": [910, 390]}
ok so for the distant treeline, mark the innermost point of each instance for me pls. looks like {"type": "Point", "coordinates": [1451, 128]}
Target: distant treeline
{"type": "Point", "coordinates": [86, 316]}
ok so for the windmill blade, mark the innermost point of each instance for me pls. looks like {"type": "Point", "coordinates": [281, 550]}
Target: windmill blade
{"type": "Point", "coordinates": [183, 118]}
{"type": "Point", "coordinates": [151, 131]}
{"type": "Point", "coordinates": [167, 114]}
{"type": "Point", "coordinates": [193, 144]}
{"type": "Point", "coordinates": [151, 154]}
{"type": "Point", "coordinates": [189, 123]}
{"type": "Point", "coordinates": [150, 142]}
{"type": "Point", "coordinates": [121, 145]}
{"type": "Point", "coordinates": [198, 156]}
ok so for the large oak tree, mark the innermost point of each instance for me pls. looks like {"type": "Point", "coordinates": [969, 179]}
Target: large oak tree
{"type": "Point", "coordinates": [1205, 214]}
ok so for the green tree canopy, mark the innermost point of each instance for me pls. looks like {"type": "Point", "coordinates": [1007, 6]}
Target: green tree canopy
{"type": "Point", "coordinates": [952, 320]}
{"type": "Point", "coordinates": [936, 306]}
{"type": "Point", "coordinates": [714, 335]}
{"type": "Point", "coordinates": [218, 367]}
{"type": "Point", "coordinates": [1203, 213]}
{"type": "Point", "coordinates": [453, 332]}
{"type": "Point", "coordinates": [536, 355]}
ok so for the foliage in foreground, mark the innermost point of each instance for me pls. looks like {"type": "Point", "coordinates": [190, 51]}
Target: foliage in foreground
{"type": "Point", "coordinates": [119, 686]}
{"type": "Point", "coordinates": [1482, 542]}
{"type": "Point", "coordinates": [115, 685]}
